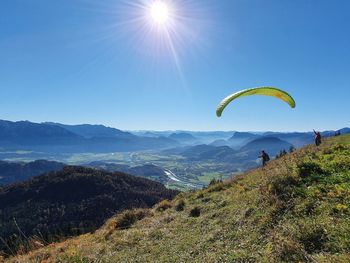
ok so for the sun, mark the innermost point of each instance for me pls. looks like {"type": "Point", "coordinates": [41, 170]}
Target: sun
{"type": "Point", "coordinates": [159, 12]}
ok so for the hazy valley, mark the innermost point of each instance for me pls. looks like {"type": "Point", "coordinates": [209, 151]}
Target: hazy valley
{"type": "Point", "coordinates": [178, 159]}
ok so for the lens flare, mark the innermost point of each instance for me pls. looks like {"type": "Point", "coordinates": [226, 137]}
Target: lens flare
{"type": "Point", "coordinates": [159, 12]}
{"type": "Point", "coordinates": [162, 32]}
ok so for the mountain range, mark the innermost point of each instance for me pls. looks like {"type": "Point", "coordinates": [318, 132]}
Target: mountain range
{"type": "Point", "coordinates": [11, 172]}
{"type": "Point", "coordinates": [184, 138]}
{"type": "Point", "coordinates": [248, 152]}
{"type": "Point", "coordinates": [52, 137]}
{"type": "Point", "coordinates": [59, 138]}
{"type": "Point", "coordinates": [90, 131]}
{"type": "Point", "coordinates": [147, 154]}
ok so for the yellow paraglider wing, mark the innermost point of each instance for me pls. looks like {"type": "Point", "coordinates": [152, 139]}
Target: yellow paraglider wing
{"type": "Point", "coordinates": [265, 91]}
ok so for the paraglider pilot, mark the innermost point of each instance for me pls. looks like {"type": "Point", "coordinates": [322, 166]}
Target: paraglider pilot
{"type": "Point", "coordinates": [265, 157]}
{"type": "Point", "coordinates": [318, 138]}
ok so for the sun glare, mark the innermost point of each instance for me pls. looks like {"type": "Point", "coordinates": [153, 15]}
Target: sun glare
{"type": "Point", "coordinates": [162, 29]}
{"type": "Point", "coordinates": [159, 12]}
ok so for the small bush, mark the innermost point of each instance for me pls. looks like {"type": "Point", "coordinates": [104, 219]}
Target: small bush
{"type": "Point", "coordinates": [248, 212]}
{"type": "Point", "coordinates": [341, 163]}
{"type": "Point", "coordinates": [163, 205]}
{"type": "Point", "coordinates": [283, 187]}
{"type": "Point", "coordinates": [180, 205]}
{"type": "Point", "coordinates": [128, 218]}
{"type": "Point", "coordinates": [287, 250]}
{"type": "Point", "coordinates": [216, 187]}
{"type": "Point", "coordinates": [314, 238]}
{"type": "Point", "coordinates": [195, 212]}
{"type": "Point", "coordinates": [200, 195]}
{"type": "Point", "coordinates": [214, 181]}
{"type": "Point", "coordinates": [310, 206]}
{"type": "Point", "coordinates": [309, 168]}
{"type": "Point", "coordinates": [339, 147]}
{"type": "Point", "coordinates": [340, 209]}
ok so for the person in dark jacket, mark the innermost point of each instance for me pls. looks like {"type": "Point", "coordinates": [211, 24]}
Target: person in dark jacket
{"type": "Point", "coordinates": [318, 138]}
{"type": "Point", "coordinates": [265, 157]}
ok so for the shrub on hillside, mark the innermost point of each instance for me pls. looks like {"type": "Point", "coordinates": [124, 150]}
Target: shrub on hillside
{"type": "Point", "coordinates": [282, 187]}
{"type": "Point", "coordinates": [163, 205]}
{"type": "Point", "coordinates": [195, 212]}
{"type": "Point", "coordinates": [287, 250]}
{"type": "Point", "coordinates": [340, 209]}
{"type": "Point", "coordinates": [309, 168]}
{"type": "Point", "coordinates": [314, 238]}
{"type": "Point", "coordinates": [214, 181]}
{"type": "Point", "coordinates": [180, 205]}
{"type": "Point", "coordinates": [128, 218]}
{"type": "Point", "coordinates": [200, 195]}
{"type": "Point", "coordinates": [219, 186]}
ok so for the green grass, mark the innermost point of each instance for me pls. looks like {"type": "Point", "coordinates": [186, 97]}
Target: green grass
{"type": "Point", "coordinates": [296, 209]}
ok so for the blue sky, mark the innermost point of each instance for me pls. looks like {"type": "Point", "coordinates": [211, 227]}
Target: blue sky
{"type": "Point", "coordinates": [84, 61]}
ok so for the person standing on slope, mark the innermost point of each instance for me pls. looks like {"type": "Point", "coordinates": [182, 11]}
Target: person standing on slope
{"type": "Point", "coordinates": [318, 139]}
{"type": "Point", "coordinates": [265, 157]}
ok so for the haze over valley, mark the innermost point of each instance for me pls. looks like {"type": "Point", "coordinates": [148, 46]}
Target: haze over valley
{"type": "Point", "coordinates": [178, 159]}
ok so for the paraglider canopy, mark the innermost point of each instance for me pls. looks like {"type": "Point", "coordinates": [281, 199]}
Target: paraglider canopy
{"type": "Point", "coordinates": [265, 91]}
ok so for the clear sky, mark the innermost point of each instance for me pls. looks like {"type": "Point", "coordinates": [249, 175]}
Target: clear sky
{"type": "Point", "coordinates": [103, 62]}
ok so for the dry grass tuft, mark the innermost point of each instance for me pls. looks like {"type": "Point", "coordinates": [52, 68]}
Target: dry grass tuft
{"type": "Point", "coordinates": [129, 217]}
{"type": "Point", "coordinates": [179, 205]}
{"type": "Point", "coordinates": [163, 205]}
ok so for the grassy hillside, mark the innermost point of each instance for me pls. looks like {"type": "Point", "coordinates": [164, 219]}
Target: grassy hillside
{"type": "Point", "coordinates": [297, 209]}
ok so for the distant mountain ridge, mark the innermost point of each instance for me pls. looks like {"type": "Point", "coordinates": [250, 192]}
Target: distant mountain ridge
{"type": "Point", "coordinates": [239, 139]}
{"type": "Point", "coordinates": [90, 131]}
{"type": "Point", "coordinates": [184, 138]}
{"type": "Point", "coordinates": [272, 145]}
{"type": "Point", "coordinates": [11, 172]}
{"type": "Point", "coordinates": [25, 133]}
{"type": "Point", "coordinates": [209, 152]}
{"type": "Point", "coordinates": [43, 139]}
{"type": "Point", "coordinates": [246, 157]}
{"type": "Point", "coordinates": [298, 139]}
{"type": "Point", "coordinates": [59, 138]}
